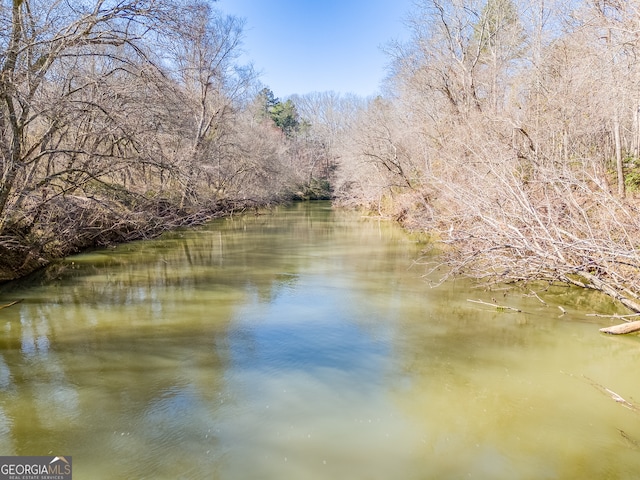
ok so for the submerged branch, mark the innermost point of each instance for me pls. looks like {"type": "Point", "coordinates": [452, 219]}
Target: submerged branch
{"type": "Point", "coordinates": [613, 395]}
{"type": "Point", "coordinates": [499, 307]}
{"type": "Point", "coordinates": [622, 317]}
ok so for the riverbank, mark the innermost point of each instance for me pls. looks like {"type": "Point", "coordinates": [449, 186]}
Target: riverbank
{"type": "Point", "coordinates": [80, 224]}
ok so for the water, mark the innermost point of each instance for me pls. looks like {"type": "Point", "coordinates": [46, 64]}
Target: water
{"type": "Point", "coordinates": [306, 344]}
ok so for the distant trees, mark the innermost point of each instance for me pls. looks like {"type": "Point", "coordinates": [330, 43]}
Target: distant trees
{"type": "Point", "coordinates": [326, 121]}
{"type": "Point", "coordinates": [285, 116]}
{"type": "Point", "coordinates": [311, 126]}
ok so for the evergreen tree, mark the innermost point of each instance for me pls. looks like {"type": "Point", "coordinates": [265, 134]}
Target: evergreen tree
{"type": "Point", "coordinates": [283, 114]}
{"type": "Point", "coordinates": [267, 100]}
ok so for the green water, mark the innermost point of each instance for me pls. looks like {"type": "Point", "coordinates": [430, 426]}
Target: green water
{"type": "Point", "coordinates": [306, 344]}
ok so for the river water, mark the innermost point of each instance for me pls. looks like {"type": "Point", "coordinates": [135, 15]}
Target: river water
{"type": "Point", "coordinates": [306, 343]}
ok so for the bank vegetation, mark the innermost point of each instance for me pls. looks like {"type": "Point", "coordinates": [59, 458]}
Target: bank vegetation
{"type": "Point", "coordinates": [122, 119]}
{"type": "Point", "coordinates": [510, 131]}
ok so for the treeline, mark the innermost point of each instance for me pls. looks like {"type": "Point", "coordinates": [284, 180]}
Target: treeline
{"type": "Point", "coordinates": [510, 130]}
{"type": "Point", "coordinates": [121, 119]}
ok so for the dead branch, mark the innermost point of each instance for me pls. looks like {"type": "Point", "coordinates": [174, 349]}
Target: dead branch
{"type": "Point", "coordinates": [10, 304]}
{"type": "Point", "coordinates": [534, 294]}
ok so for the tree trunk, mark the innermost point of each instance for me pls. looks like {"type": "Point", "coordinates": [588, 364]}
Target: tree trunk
{"type": "Point", "coordinates": [5, 190]}
{"type": "Point", "coordinates": [618, 146]}
{"type": "Point", "coordinates": [636, 130]}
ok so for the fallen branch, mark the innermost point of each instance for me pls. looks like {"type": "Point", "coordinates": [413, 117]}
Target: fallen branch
{"type": "Point", "coordinates": [499, 307]}
{"type": "Point", "coordinates": [10, 304]}
{"type": "Point", "coordinates": [623, 328]}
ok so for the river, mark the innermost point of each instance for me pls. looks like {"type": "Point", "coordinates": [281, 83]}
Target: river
{"type": "Point", "coordinates": [307, 343]}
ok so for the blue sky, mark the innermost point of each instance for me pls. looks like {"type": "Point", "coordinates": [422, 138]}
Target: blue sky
{"type": "Point", "coordinates": [314, 46]}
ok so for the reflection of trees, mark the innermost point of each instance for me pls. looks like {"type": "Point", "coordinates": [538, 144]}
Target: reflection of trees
{"type": "Point", "coordinates": [125, 350]}
{"type": "Point", "coordinates": [500, 395]}
{"type": "Point", "coordinates": [36, 391]}
{"type": "Point", "coordinates": [127, 353]}
{"type": "Point", "coordinates": [101, 392]}
{"type": "Point", "coordinates": [6, 422]}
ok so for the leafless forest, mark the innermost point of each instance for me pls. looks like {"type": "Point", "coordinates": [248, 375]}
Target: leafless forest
{"type": "Point", "coordinates": [509, 130]}
{"type": "Point", "coordinates": [123, 118]}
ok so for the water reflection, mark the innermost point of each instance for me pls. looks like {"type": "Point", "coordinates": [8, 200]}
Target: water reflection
{"type": "Point", "coordinates": [302, 344]}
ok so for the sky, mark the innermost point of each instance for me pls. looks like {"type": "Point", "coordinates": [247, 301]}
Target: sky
{"type": "Point", "coordinates": [304, 46]}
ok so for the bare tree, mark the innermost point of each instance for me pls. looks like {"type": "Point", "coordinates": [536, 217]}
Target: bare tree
{"type": "Point", "coordinates": [202, 57]}
{"type": "Point", "coordinates": [118, 119]}
{"type": "Point", "coordinates": [42, 38]}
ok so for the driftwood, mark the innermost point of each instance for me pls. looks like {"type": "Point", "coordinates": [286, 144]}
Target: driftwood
{"type": "Point", "coordinates": [621, 329]}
